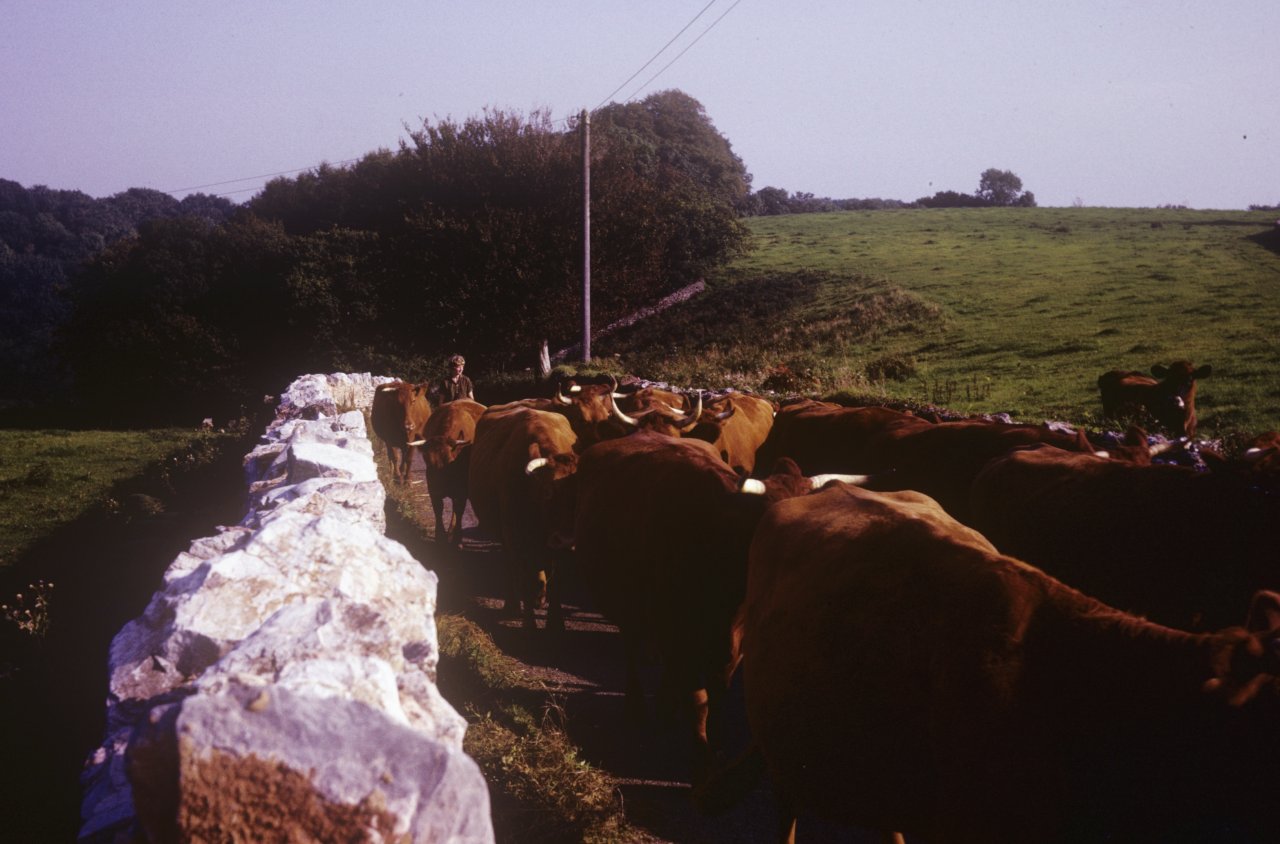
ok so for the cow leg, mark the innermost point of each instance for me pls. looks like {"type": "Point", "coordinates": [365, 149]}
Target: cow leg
{"type": "Point", "coordinates": [408, 462]}
{"type": "Point", "coordinates": [555, 612]}
{"type": "Point", "coordinates": [703, 759]}
{"type": "Point", "coordinates": [455, 532]}
{"type": "Point", "coordinates": [719, 669]}
{"type": "Point", "coordinates": [437, 509]}
{"type": "Point", "coordinates": [393, 462]}
{"type": "Point", "coordinates": [534, 588]}
{"type": "Point", "coordinates": [513, 587]}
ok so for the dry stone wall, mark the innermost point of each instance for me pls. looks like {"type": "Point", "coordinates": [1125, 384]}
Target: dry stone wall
{"type": "Point", "coordinates": [281, 685]}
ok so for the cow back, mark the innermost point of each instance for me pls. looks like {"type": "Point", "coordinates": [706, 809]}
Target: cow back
{"type": "Point", "coordinates": [661, 533]}
{"type": "Point", "coordinates": [822, 437]}
{"type": "Point", "coordinates": [900, 673]}
{"type": "Point", "coordinates": [1181, 547]}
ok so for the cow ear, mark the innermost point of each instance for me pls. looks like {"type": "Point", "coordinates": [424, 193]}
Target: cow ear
{"type": "Point", "coordinates": [1264, 612]}
{"type": "Point", "coordinates": [1203, 372]}
{"type": "Point", "coordinates": [1159, 370]}
{"type": "Point", "coordinates": [534, 451]}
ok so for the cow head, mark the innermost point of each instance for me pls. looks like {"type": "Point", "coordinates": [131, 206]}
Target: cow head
{"type": "Point", "coordinates": [545, 472]}
{"type": "Point", "coordinates": [590, 410]}
{"type": "Point", "coordinates": [439, 451]}
{"type": "Point", "coordinates": [661, 418]}
{"type": "Point", "coordinates": [787, 481]}
{"type": "Point", "coordinates": [711, 421]}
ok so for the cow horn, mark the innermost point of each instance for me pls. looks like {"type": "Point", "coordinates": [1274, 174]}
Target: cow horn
{"type": "Point", "coordinates": [692, 416]}
{"type": "Point", "coordinates": [725, 414]}
{"type": "Point", "coordinates": [622, 417]}
{"type": "Point", "coordinates": [560, 399]}
{"type": "Point", "coordinates": [461, 443]}
{"type": "Point", "coordinates": [1257, 453]}
{"type": "Point", "coordinates": [535, 464]}
{"type": "Point", "coordinates": [418, 443]}
{"type": "Point", "coordinates": [819, 481]}
{"type": "Point", "coordinates": [752, 486]}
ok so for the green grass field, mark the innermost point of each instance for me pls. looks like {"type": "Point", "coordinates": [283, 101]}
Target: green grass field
{"type": "Point", "coordinates": [987, 310]}
{"type": "Point", "coordinates": [50, 478]}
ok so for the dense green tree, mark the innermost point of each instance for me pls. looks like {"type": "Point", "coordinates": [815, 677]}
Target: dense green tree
{"type": "Point", "coordinates": [669, 132]}
{"type": "Point", "coordinates": [1003, 187]}
{"type": "Point", "coordinates": [187, 320]}
{"type": "Point", "coordinates": [771, 201]}
{"type": "Point", "coordinates": [45, 235]}
{"type": "Point", "coordinates": [478, 222]}
{"type": "Point", "coordinates": [952, 199]}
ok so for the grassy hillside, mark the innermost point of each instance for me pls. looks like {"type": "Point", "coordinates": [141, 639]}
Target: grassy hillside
{"type": "Point", "coordinates": [987, 310]}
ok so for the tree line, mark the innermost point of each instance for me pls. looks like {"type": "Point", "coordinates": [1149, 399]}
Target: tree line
{"type": "Point", "coordinates": [45, 236]}
{"type": "Point", "coordinates": [467, 237]}
{"type": "Point", "coordinates": [996, 188]}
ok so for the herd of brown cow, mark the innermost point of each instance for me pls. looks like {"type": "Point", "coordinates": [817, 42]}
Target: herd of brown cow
{"type": "Point", "coordinates": [965, 630]}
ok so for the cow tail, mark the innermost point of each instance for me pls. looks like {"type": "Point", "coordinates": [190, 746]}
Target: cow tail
{"type": "Point", "coordinates": [729, 784]}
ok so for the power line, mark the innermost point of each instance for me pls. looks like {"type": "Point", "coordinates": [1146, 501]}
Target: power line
{"type": "Point", "coordinates": [253, 178]}
{"type": "Point", "coordinates": [655, 55]}
{"type": "Point", "coordinates": [682, 52]}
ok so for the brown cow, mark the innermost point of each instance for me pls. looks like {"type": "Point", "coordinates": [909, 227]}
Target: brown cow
{"type": "Point", "coordinates": [661, 533]}
{"type": "Point", "coordinates": [737, 425]}
{"type": "Point", "coordinates": [941, 460]}
{"type": "Point", "coordinates": [902, 451]}
{"type": "Point", "coordinates": [825, 437]}
{"type": "Point", "coordinates": [519, 455]}
{"type": "Point", "coordinates": [1170, 401]}
{"type": "Point", "coordinates": [902, 674]}
{"type": "Point", "coordinates": [399, 413]}
{"type": "Point", "coordinates": [590, 410]}
{"type": "Point", "coordinates": [446, 451]}
{"type": "Point", "coordinates": [1258, 460]}
{"type": "Point", "coordinates": [1182, 547]}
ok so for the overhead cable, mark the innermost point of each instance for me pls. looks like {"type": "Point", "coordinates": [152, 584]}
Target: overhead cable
{"type": "Point", "coordinates": [682, 52]}
{"type": "Point", "coordinates": [655, 55]}
{"type": "Point", "coordinates": [253, 178]}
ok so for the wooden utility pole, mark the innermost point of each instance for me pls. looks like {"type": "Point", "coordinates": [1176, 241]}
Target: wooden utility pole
{"type": "Point", "coordinates": [586, 235]}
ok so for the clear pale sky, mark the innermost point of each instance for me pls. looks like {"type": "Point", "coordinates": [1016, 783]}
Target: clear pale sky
{"type": "Point", "coordinates": [1107, 102]}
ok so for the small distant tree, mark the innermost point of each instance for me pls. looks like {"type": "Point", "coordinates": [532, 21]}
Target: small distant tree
{"type": "Point", "coordinates": [1003, 187]}
{"type": "Point", "coordinates": [773, 201]}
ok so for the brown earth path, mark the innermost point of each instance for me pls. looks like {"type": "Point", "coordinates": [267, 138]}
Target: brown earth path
{"type": "Point", "coordinates": [584, 669]}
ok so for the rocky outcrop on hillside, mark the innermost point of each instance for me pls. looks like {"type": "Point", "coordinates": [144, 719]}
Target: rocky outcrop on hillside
{"type": "Point", "coordinates": [282, 682]}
